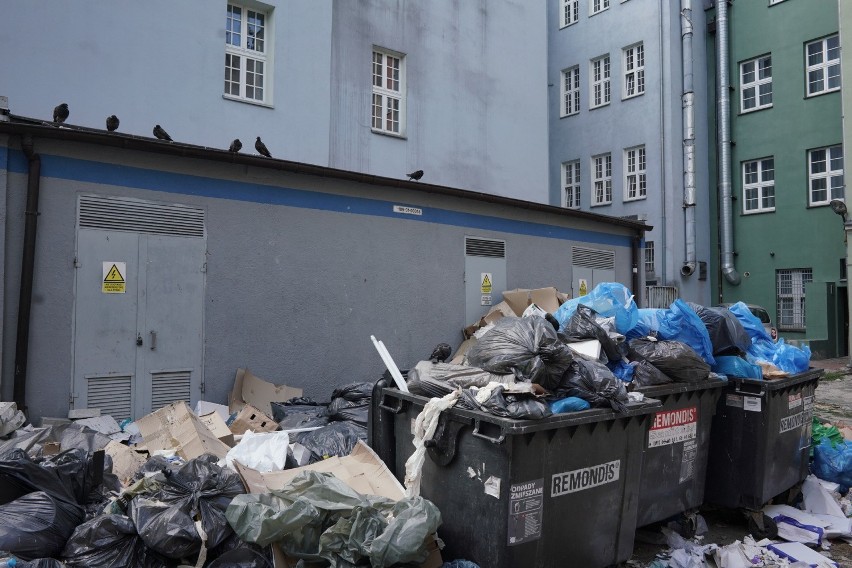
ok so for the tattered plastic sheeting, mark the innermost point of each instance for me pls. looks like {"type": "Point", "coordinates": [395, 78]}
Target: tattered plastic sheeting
{"type": "Point", "coordinates": [493, 400]}
{"type": "Point", "coordinates": [609, 299]}
{"type": "Point", "coordinates": [109, 540]}
{"type": "Point", "coordinates": [300, 515]}
{"type": "Point", "coordinates": [265, 451]}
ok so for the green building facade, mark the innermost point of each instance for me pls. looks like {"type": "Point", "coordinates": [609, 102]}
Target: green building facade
{"type": "Point", "coordinates": [786, 164]}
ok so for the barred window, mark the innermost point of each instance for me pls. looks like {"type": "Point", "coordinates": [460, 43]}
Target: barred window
{"type": "Point", "coordinates": [791, 297]}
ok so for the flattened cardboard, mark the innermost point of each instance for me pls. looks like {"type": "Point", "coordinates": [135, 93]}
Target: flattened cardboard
{"type": "Point", "coordinates": [125, 461]}
{"type": "Point", "coordinates": [249, 389]}
{"type": "Point", "coordinates": [547, 299]}
{"type": "Point", "coordinates": [203, 407]}
{"type": "Point", "coordinates": [213, 420]}
{"type": "Point", "coordinates": [497, 312]}
{"type": "Point", "coordinates": [250, 418]}
{"type": "Point", "coordinates": [176, 427]}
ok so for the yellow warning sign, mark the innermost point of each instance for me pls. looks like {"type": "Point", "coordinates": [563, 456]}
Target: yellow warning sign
{"type": "Point", "coordinates": [584, 287]}
{"type": "Point", "coordinates": [113, 278]}
{"type": "Point", "coordinates": [485, 287]}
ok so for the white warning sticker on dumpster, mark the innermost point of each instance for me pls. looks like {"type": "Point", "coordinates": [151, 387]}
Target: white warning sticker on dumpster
{"type": "Point", "coordinates": [673, 427]}
{"type": "Point", "coordinates": [526, 511]}
{"type": "Point", "coordinates": [585, 478]}
{"type": "Point", "coordinates": [687, 465]}
{"type": "Point", "coordinates": [794, 400]}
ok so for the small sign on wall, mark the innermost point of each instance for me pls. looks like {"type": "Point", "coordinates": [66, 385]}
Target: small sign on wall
{"type": "Point", "coordinates": [485, 283]}
{"type": "Point", "coordinates": [114, 274]}
{"type": "Point", "coordinates": [584, 287]}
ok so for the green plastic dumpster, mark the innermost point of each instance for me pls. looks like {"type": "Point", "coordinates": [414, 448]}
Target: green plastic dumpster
{"type": "Point", "coordinates": [562, 491]}
{"type": "Point", "coordinates": [677, 446]}
{"type": "Point", "coordinates": [760, 441]}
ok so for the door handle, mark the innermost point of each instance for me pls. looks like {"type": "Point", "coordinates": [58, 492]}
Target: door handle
{"type": "Point", "coordinates": [138, 339]}
{"type": "Point", "coordinates": [153, 340]}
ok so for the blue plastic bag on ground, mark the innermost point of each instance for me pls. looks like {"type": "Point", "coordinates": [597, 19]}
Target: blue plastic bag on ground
{"type": "Point", "coordinates": [609, 299]}
{"type": "Point", "coordinates": [833, 463]}
{"type": "Point", "coordinates": [569, 404]}
{"type": "Point", "coordinates": [734, 366]}
{"type": "Point", "coordinates": [678, 323]}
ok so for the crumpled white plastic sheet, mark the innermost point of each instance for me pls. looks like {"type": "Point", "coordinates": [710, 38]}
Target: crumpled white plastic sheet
{"type": "Point", "coordinates": [424, 429]}
{"type": "Point", "coordinates": [265, 451]}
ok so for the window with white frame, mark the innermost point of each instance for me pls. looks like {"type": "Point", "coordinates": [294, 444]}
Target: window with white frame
{"type": "Point", "coordinates": [571, 184]}
{"type": "Point", "coordinates": [634, 173]}
{"type": "Point", "coordinates": [634, 70]}
{"type": "Point", "coordinates": [600, 81]}
{"type": "Point", "coordinates": [756, 83]}
{"type": "Point", "coordinates": [791, 297]}
{"type": "Point", "coordinates": [598, 6]}
{"type": "Point", "coordinates": [388, 92]}
{"type": "Point", "coordinates": [602, 179]}
{"type": "Point", "coordinates": [759, 185]}
{"type": "Point", "coordinates": [825, 175]}
{"type": "Point", "coordinates": [247, 54]}
{"type": "Point", "coordinates": [649, 257]}
{"type": "Point", "coordinates": [822, 58]}
{"type": "Point", "coordinates": [570, 91]}
{"type": "Point", "coordinates": [568, 12]}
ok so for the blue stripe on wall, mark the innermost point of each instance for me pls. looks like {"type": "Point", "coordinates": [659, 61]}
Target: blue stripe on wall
{"type": "Point", "coordinates": [62, 167]}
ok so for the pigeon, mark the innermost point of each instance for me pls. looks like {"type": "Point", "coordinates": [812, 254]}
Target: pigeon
{"type": "Point", "coordinates": [415, 175]}
{"type": "Point", "coordinates": [261, 148]}
{"type": "Point", "coordinates": [112, 123]}
{"type": "Point", "coordinates": [60, 113]}
{"type": "Point", "coordinates": [236, 145]}
{"type": "Point", "coordinates": [440, 353]}
{"type": "Point", "coordinates": [161, 134]}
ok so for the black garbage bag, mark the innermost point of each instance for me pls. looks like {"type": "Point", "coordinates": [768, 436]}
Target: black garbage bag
{"type": "Point", "coordinates": [676, 360]}
{"type": "Point", "coordinates": [583, 326]}
{"type": "Point", "coordinates": [351, 402]}
{"type": "Point", "coordinates": [354, 392]}
{"type": "Point", "coordinates": [527, 347]}
{"type": "Point", "coordinates": [241, 558]}
{"type": "Point", "coordinates": [160, 465]}
{"type": "Point", "coordinates": [282, 410]}
{"type": "Point", "coordinates": [109, 540]}
{"type": "Point", "coordinates": [518, 406]}
{"type": "Point", "coordinates": [227, 551]}
{"type": "Point", "coordinates": [647, 375]}
{"type": "Point", "coordinates": [164, 528]}
{"type": "Point", "coordinates": [593, 382]}
{"type": "Point", "coordinates": [37, 525]}
{"type": "Point", "coordinates": [336, 439]}
{"type": "Point", "coordinates": [727, 334]}
{"type": "Point", "coordinates": [299, 420]}
{"type": "Point", "coordinates": [202, 489]}
{"type": "Point", "coordinates": [85, 474]}
{"type": "Point", "coordinates": [41, 563]}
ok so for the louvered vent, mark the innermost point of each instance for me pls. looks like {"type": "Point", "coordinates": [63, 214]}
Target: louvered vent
{"type": "Point", "coordinates": [484, 247]}
{"type": "Point", "coordinates": [121, 214]}
{"type": "Point", "coordinates": [169, 387]}
{"type": "Point", "coordinates": [593, 258]}
{"type": "Point", "coordinates": [111, 395]}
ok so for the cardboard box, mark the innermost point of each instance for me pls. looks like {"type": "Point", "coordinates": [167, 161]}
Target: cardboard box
{"type": "Point", "coordinates": [548, 299]}
{"type": "Point", "coordinates": [125, 460]}
{"type": "Point", "coordinates": [252, 390]}
{"type": "Point", "coordinates": [497, 312]}
{"type": "Point", "coordinates": [203, 407]}
{"type": "Point", "coordinates": [250, 418]}
{"type": "Point", "coordinates": [213, 420]}
{"type": "Point", "coordinates": [458, 357]}
{"type": "Point", "coordinates": [176, 427]}
{"type": "Point", "coordinates": [362, 470]}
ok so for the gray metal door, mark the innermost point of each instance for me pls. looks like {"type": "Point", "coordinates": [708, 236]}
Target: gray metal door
{"type": "Point", "coordinates": [590, 267]}
{"type": "Point", "coordinates": [138, 339]}
{"type": "Point", "coordinates": [484, 275]}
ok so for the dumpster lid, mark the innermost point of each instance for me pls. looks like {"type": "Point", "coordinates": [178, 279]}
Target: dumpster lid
{"type": "Point", "coordinates": [675, 388]}
{"type": "Point", "coordinates": [811, 374]}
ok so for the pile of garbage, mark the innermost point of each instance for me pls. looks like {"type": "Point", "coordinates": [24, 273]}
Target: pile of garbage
{"type": "Point", "coordinates": [524, 360]}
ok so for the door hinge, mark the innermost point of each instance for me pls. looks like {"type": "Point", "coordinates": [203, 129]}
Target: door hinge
{"type": "Point", "coordinates": [202, 386]}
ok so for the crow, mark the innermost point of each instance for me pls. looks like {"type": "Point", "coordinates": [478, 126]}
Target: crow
{"type": "Point", "coordinates": [236, 146]}
{"type": "Point", "coordinates": [60, 113]}
{"type": "Point", "coordinates": [415, 175]}
{"type": "Point", "coordinates": [112, 123]}
{"type": "Point", "coordinates": [440, 353]}
{"type": "Point", "coordinates": [161, 134]}
{"type": "Point", "coordinates": [261, 148]}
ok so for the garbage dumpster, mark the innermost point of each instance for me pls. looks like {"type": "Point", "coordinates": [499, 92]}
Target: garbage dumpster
{"type": "Point", "coordinates": [556, 492]}
{"type": "Point", "coordinates": [760, 440]}
{"type": "Point", "coordinates": [676, 449]}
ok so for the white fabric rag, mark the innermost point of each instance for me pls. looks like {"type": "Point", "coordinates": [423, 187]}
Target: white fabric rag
{"type": "Point", "coordinates": [424, 429]}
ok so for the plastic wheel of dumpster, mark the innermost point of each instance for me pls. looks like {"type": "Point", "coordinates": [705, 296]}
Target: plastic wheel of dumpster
{"type": "Point", "coordinates": [760, 440]}
{"type": "Point", "coordinates": [676, 449]}
{"type": "Point", "coordinates": [549, 493]}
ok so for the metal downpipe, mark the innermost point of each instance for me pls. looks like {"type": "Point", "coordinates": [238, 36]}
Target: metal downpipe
{"type": "Point", "coordinates": [724, 145]}
{"type": "Point", "coordinates": [688, 117]}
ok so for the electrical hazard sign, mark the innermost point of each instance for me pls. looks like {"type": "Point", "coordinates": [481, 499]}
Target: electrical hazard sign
{"type": "Point", "coordinates": [113, 281]}
{"type": "Point", "coordinates": [485, 286]}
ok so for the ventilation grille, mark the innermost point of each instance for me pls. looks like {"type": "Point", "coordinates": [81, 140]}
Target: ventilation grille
{"type": "Point", "coordinates": [593, 258]}
{"type": "Point", "coordinates": [484, 247]}
{"type": "Point", "coordinates": [117, 214]}
{"type": "Point", "coordinates": [169, 387]}
{"type": "Point", "coordinates": [111, 395]}
{"type": "Point", "coordinates": [660, 296]}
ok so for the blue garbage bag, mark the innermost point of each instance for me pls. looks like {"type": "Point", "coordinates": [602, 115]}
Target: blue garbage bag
{"type": "Point", "coordinates": [734, 366]}
{"type": "Point", "coordinates": [833, 463]}
{"type": "Point", "coordinates": [609, 299]}
{"type": "Point", "coordinates": [678, 323]}
{"type": "Point", "coordinates": [623, 370]}
{"type": "Point", "coordinates": [752, 325]}
{"type": "Point", "coordinates": [662, 323]}
{"type": "Point", "coordinates": [790, 358]}
{"type": "Point", "coordinates": [569, 404]}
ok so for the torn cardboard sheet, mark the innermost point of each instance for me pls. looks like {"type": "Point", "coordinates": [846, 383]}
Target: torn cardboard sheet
{"type": "Point", "coordinates": [548, 299]}
{"type": "Point", "coordinates": [176, 427]}
{"type": "Point", "coordinates": [250, 418]}
{"type": "Point", "coordinates": [797, 552]}
{"type": "Point", "coordinates": [203, 407]}
{"type": "Point", "coordinates": [796, 525]}
{"type": "Point", "coordinates": [249, 389]}
{"type": "Point", "coordinates": [125, 461]}
{"type": "Point", "coordinates": [213, 421]}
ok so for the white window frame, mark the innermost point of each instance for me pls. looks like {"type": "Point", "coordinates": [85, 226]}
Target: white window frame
{"type": "Point", "coordinates": [760, 183]}
{"type": "Point", "coordinates": [756, 83]}
{"type": "Point", "coordinates": [633, 64]}
{"type": "Point", "coordinates": [601, 175]}
{"type": "Point", "coordinates": [389, 94]}
{"type": "Point", "coordinates": [569, 12]}
{"type": "Point", "coordinates": [635, 176]}
{"type": "Point", "coordinates": [823, 66]}
{"type": "Point", "coordinates": [598, 6]}
{"type": "Point", "coordinates": [571, 187]}
{"type": "Point", "coordinates": [830, 173]}
{"type": "Point", "coordinates": [570, 91]}
{"type": "Point", "coordinates": [650, 258]}
{"type": "Point", "coordinates": [599, 81]}
{"type": "Point", "coordinates": [790, 297]}
{"type": "Point", "coordinates": [239, 75]}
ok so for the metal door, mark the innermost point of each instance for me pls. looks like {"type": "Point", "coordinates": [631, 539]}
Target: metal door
{"type": "Point", "coordinates": [590, 267]}
{"type": "Point", "coordinates": [484, 274]}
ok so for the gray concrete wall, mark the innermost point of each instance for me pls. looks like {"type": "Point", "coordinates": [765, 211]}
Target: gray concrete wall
{"type": "Point", "coordinates": [301, 269]}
